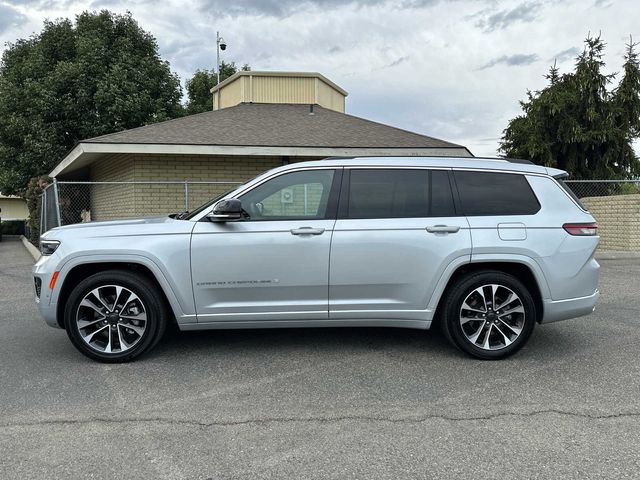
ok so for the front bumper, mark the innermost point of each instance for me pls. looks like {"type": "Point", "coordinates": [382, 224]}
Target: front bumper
{"type": "Point", "coordinates": [556, 310]}
{"type": "Point", "coordinates": [43, 270]}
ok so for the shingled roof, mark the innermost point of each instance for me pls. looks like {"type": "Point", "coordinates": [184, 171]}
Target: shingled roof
{"type": "Point", "coordinates": [275, 125]}
{"type": "Point", "coordinates": [262, 129]}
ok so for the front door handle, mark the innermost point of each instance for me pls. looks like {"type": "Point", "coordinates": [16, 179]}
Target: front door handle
{"type": "Point", "coordinates": [443, 229]}
{"type": "Point", "coordinates": [307, 231]}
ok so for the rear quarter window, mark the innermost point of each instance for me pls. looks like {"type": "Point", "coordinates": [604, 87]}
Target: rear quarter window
{"type": "Point", "coordinates": [488, 193]}
{"type": "Point", "coordinates": [571, 193]}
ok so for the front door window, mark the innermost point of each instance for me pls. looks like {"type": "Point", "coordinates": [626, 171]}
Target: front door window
{"type": "Point", "coordinates": [293, 196]}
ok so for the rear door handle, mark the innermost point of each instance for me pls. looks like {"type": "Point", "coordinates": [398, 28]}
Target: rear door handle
{"type": "Point", "coordinates": [443, 229]}
{"type": "Point", "coordinates": [307, 231]}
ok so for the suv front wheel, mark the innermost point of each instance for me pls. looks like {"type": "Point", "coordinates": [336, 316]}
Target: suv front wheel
{"type": "Point", "coordinates": [489, 315]}
{"type": "Point", "coordinates": [114, 316]}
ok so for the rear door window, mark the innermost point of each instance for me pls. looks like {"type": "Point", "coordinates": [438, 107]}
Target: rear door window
{"type": "Point", "coordinates": [397, 193]}
{"type": "Point", "coordinates": [488, 193]}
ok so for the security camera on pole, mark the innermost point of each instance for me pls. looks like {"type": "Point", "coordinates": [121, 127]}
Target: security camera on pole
{"type": "Point", "coordinates": [220, 45]}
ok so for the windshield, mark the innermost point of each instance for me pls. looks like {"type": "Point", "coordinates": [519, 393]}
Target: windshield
{"type": "Point", "coordinates": [195, 212]}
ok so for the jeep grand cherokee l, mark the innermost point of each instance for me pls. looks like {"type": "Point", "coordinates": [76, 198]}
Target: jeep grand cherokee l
{"type": "Point", "coordinates": [487, 248]}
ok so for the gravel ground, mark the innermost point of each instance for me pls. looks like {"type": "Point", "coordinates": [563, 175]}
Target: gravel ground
{"type": "Point", "coordinates": [330, 403]}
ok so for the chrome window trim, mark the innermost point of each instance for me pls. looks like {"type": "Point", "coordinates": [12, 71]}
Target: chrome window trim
{"type": "Point", "coordinates": [238, 193]}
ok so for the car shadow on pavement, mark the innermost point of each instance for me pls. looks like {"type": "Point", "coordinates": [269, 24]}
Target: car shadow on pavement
{"type": "Point", "coordinates": [317, 339]}
{"type": "Point", "coordinates": [546, 341]}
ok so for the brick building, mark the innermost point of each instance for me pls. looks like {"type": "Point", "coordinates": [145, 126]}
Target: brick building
{"type": "Point", "coordinates": [258, 121]}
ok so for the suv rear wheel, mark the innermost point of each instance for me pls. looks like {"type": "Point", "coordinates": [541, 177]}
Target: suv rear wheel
{"type": "Point", "coordinates": [489, 315]}
{"type": "Point", "coordinates": [114, 316]}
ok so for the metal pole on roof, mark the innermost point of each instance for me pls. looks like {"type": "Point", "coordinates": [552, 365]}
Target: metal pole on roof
{"type": "Point", "coordinates": [217, 58]}
{"type": "Point", "coordinates": [220, 45]}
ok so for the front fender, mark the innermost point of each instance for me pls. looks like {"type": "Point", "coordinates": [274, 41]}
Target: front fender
{"type": "Point", "coordinates": [181, 302]}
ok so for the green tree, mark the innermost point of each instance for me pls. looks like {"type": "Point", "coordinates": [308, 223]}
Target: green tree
{"type": "Point", "coordinates": [78, 80]}
{"type": "Point", "coordinates": [199, 98]}
{"type": "Point", "coordinates": [577, 124]}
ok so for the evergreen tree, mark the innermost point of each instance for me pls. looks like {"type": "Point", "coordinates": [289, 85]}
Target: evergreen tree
{"type": "Point", "coordinates": [577, 124]}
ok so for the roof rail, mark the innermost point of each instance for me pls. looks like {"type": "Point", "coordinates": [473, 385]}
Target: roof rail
{"type": "Point", "coordinates": [519, 160]}
{"type": "Point", "coordinates": [510, 160]}
{"type": "Point", "coordinates": [504, 159]}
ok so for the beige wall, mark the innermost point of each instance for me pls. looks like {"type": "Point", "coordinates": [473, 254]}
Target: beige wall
{"type": "Point", "coordinates": [279, 89]}
{"type": "Point", "coordinates": [108, 201]}
{"type": "Point", "coordinates": [121, 201]}
{"type": "Point", "coordinates": [329, 97]}
{"type": "Point", "coordinates": [283, 90]}
{"type": "Point", "coordinates": [232, 94]}
{"type": "Point", "coordinates": [160, 199]}
{"type": "Point", "coordinates": [618, 220]}
{"type": "Point", "coordinates": [13, 209]}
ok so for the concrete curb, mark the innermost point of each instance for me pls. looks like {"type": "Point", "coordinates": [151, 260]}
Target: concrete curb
{"type": "Point", "coordinates": [30, 248]}
{"type": "Point", "coordinates": [613, 255]}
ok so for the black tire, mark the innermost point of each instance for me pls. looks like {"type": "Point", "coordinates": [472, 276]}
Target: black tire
{"type": "Point", "coordinates": [152, 300]}
{"type": "Point", "coordinates": [453, 329]}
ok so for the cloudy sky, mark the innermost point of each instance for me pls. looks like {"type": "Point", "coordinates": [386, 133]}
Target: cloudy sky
{"type": "Point", "coordinates": [453, 69]}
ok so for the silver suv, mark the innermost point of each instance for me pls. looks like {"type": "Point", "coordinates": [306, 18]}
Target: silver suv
{"type": "Point", "coordinates": [485, 248]}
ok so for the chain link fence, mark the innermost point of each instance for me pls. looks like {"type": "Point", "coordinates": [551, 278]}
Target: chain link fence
{"type": "Point", "coordinates": [603, 188]}
{"type": "Point", "coordinates": [66, 203]}
{"type": "Point", "coordinates": [614, 203]}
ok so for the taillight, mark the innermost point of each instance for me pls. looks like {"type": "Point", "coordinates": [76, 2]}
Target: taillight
{"type": "Point", "coordinates": [581, 229]}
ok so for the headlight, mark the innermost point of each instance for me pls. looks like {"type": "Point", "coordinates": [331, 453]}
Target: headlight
{"type": "Point", "coordinates": [47, 247]}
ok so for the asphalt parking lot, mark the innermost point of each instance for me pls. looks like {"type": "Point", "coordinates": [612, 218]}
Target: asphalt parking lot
{"type": "Point", "coordinates": [334, 403]}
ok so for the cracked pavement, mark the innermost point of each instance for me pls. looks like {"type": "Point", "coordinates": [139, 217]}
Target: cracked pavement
{"type": "Point", "coordinates": [331, 403]}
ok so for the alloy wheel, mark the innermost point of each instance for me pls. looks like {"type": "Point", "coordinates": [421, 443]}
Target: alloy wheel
{"type": "Point", "coordinates": [492, 317]}
{"type": "Point", "coordinates": [111, 319]}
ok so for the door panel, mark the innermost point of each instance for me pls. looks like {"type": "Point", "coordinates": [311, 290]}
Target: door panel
{"type": "Point", "coordinates": [260, 270]}
{"type": "Point", "coordinates": [274, 263]}
{"type": "Point", "coordinates": [388, 268]}
{"type": "Point", "coordinates": [396, 233]}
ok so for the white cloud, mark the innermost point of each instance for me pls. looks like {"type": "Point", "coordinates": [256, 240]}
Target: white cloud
{"type": "Point", "coordinates": [10, 18]}
{"type": "Point", "coordinates": [492, 19]}
{"type": "Point", "coordinates": [514, 60]}
{"type": "Point", "coordinates": [415, 64]}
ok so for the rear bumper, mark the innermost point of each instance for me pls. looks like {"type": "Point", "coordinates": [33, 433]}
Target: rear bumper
{"type": "Point", "coordinates": [556, 310]}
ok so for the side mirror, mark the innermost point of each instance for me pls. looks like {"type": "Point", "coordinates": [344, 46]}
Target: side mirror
{"type": "Point", "coordinates": [226, 211]}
